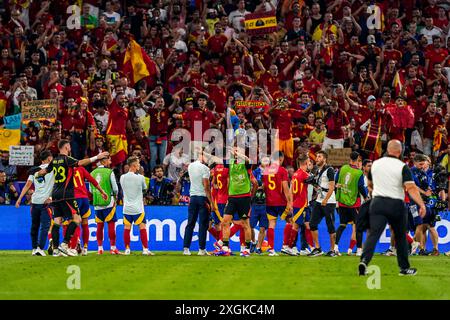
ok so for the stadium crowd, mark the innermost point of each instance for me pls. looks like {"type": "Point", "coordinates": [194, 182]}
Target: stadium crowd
{"type": "Point", "coordinates": [327, 77]}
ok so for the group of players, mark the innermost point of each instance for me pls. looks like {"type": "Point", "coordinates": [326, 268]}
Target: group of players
{"type": "Point", "coordinates": [242, 196]}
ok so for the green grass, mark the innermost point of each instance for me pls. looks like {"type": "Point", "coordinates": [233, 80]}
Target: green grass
{"type": "Point", "coordinates": [173, 276]}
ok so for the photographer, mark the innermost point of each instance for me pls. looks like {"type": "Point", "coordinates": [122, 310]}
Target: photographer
{"type": "Point", "coordinates": [182, 189]}
{"type": "Point", "coordinates": [161, 188]}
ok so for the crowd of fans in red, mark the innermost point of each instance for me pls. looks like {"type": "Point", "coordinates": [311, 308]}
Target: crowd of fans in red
{"type": "Point", "coordinates": [323, 74]}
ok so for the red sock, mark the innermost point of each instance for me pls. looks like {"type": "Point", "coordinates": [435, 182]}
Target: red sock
{"type": "Point", "coordinates": [112, 233]}
{"type": "Point", "coordinates": [308, 237]}
{"type": "Point", "coordinates": [85, 228]}
{"type": "Point", "coordinates": [126, 238]}
{"type": "Point", "coordinates": [74, 240]}
{"type": "Point", "coordinates": [49, 235]}
{"type": "Point", "coordinates": [287, 234]}
{"type": "Point", "coordinates": [292, 238]}
{"type": "Point", "coordinates": [144, 239]}
{"type": "Point", "coordinates": [409, 239]}
{"type": "Point", "coordinates": [234, 229]}
{"type": "Point", "coordinates": [271, 237]}
{"type": "Point", "coordinates": [214, 233]}
{"type": "Point", "coordinates": [242, 236]}
{"type": "Point", "coordinates": [352, 243]}
{"type": "Point", "coordinates": [220, 234]}
{"type": "Point", "coordinates": [64, 230]}
{"type": "Point", "coordinates": [100, 233]}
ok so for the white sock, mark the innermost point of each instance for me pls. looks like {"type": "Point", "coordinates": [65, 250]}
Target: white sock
{"type": "Point", "coordinates": [100, 247]}
{"type": "Point", "coordinates": [113, 247]}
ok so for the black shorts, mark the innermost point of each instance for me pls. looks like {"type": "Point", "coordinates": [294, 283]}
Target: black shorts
{"type": "Point", "coordinates": [319, 212]}
{"type": "Point", "coordinates": [347, 215]}
{"type": "Point", "coordinates": [363, 220]}
{"type": "Point", "coordinates": [65, 209]}
{"type": "Point", "coordinates": [241, 206]}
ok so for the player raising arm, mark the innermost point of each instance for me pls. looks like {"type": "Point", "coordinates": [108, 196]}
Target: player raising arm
{"type": "Point", "coordinates": [63, 194]}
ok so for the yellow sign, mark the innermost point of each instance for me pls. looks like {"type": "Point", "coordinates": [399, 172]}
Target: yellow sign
{"type": "Point", "coordinates": [9, 138]}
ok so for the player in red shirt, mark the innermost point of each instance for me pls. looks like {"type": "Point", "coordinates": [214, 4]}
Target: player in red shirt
{"type": "Point", "coordinates": [278, 195]}
{"type": "Point", "coordinates": [299, 190]}
{"type": "Point", "coordinates": [80, 175]}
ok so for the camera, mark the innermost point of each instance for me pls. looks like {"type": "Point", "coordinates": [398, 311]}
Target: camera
{"type": "Point", "coordinates": [440, 178]}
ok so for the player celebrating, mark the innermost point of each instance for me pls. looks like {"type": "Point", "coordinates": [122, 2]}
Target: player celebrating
{"type": "Point", "coordinates": [349, 185]}
{"type": "Point", "coordinates": [278, 196]}
{"type": "Point", "coordinates": [63, 195]}
{"type": "Point", "coordinates": [133, 185]}
{"type": "Point", "coordinates": [105, 209]}
{"type": "Point", "coordinates": [82, 198]}
{"type": "Point", "coordinates": [220, 198]}
{"type": "Point", "coordinates": [239, 200]}
{"type": "Point", "coordinates": [299, 189]}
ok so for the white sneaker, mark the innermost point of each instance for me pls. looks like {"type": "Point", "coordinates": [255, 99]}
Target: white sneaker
{"type": "Point", "coordinates": [64, 248]}
{"type": "Point", "coordinates": [295, 251]}
{"type": "Point", "coordinates": [33, 253]}
{"type": "Point", "coordinates": [203, 252]}
{"type": "Point", "coordinates": [286, 250]}
{"type": "Point", "coordinates": [72, 252]}
{"type": "Point", "coordinates": [272, 253]}
{"type": "Point", "coordinates": [186, 252]}
{"type": "Point", "coordinates": [145, 252]}
{"type": "Point", "coordinates": [349, 252]}
{"type": "Point", "coordinates": [359, 252]}
{"type": "Point", "coordinates": [127, 252]}
{"type": "Point", "coordinates": [84, 252]}
{"type": "Point", "coordinates": [57, 253]}
{"type": "Point", "coordinates": [304, 252]}
{"type": "Point", "coordinates": [40, 252]}
{"type": "Point", "coordinates": [414, 247]}
{"type": "Point", "coordinates": [447, 253]}
{"type": "Point", "coordinates": [392, 253]}
{"type": "Point", "coordinates": [336, 250]}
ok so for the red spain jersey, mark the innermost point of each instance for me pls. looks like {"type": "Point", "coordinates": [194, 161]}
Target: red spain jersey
{"type": "Point", "coordinates": [300, 189]}
{"type": "Point", "coordinates": [80, 174]}
{"type": "Point", "coordinates": [221, 176]}
{"type": "Point", "coordinates": [273, 178]}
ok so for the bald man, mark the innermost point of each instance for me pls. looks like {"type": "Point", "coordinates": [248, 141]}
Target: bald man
{"type": "Point", "coordinates": [389, 177]}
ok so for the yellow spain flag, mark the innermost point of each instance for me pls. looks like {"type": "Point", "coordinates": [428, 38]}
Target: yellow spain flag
{"type": "Point", "coordinates": [9, 138]}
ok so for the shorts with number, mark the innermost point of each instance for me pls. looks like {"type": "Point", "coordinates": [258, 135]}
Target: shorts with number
{"type": "Point", "coordinates": [299, 215]}
{"type": "Point", "coordinates": [137, 219]}
{"type": "Point", "coordinates": [65, 209]}
{"type": "Point", "coordinates": [259, 216]}
{"type": "Point", "coordinates": [287, 147]}
{"type": "Point", "coordinates": [106, 215]}
{"type": "Point", "coordinates": [239, 208]}
{"type": "Point", "coordinates": [347, 215]}
{"type": "Point", "coordinates": [217, 215]}
{"type": "Point", "coordinates": [414, 219]}
{"type": "Point", "coordinates": [84, 208]}
{"type": "Point", "coordinates": [274, 212]}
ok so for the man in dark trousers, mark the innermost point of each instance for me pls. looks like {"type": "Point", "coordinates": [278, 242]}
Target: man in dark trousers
{"type": "Point", "coordinates": [389, 177]}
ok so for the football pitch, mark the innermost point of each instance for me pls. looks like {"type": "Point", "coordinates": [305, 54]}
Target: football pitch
{"type": "Point", "coordinates": [169, 275]}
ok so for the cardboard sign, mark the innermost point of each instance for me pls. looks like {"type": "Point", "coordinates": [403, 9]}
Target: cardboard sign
{"type": "Point", "coordinates": [338, 157]}
{"type": "Point", "coordinates": [39, 110]}
{"type": "Point", "coordinates": [252, 104]}
{"type": "Point", "coordinates": [21, 155]}
{"type": "Point", "coordinates": [260, 23]}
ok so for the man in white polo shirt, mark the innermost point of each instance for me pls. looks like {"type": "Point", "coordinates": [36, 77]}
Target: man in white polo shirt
{"type": "Point", "coordinates": [389, 177]}
{"type": "Point", "coordinates": [40, 212]}
{"type": "Point", "coordinates": [199, 205]}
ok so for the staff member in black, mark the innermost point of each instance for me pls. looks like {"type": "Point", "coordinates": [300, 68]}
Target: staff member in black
{"type": "Point", "coordinates": [389, 177]}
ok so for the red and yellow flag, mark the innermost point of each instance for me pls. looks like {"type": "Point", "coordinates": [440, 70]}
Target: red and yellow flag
{"type": "Point", "coordinates": [3, 101]}
{"type": "Point", "coordinates": [137, 64]}
{"type": "Point", "coordinates": [437, 139]}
